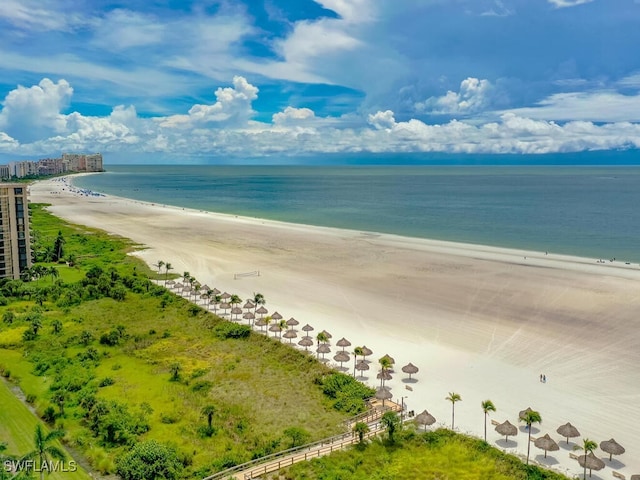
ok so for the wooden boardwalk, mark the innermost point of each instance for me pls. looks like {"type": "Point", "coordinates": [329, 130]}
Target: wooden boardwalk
{"type": "Point", "coordinates": [286, 458]}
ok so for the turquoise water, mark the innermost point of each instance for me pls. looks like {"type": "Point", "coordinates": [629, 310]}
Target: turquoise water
{"type": "Point", "coordinates": [585, 211]}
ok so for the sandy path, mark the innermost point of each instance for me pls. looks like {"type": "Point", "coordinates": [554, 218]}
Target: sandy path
{"type": "Point", "coordinates": [481, 321]}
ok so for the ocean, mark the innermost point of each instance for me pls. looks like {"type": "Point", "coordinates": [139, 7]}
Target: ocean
{"type": "Point", "coordinates": [586, 211]}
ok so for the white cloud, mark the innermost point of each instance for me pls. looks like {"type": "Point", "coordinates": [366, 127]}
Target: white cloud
{"type": "Point", "coordinates": [599, 106]}
{"type": "Point", "coordinates": [32, 113]}
{"type": "Point", "coordinates": [350, 10]}
{"type": "Point", "coordinates": [291, 115]}
{"type": "Point", "coordinates": [474, 96]}
{"type": "Point", "coordinates": [40, 14]}
{"type": "Point", "coordinates": [568, 3]}
{"type": "Point", "coordinates": [382, 120]}
{"type": "Point", "coordinates": [293, 131]}
{"type": "Point", "coordinates": [233, 107]}
{"type": "Point", "coordinates": [123, 29]}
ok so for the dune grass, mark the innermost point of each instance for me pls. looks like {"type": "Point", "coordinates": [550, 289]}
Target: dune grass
{"type": "Point", "coordinates": [121, 354]}
{"type": "Point", "coordinates": [441, 455]}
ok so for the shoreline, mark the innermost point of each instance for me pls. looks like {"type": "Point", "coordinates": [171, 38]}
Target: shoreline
{"type": "Point", "coordinates": [479, 251]}
{"type": "Point", "coordinates": [481, 321]}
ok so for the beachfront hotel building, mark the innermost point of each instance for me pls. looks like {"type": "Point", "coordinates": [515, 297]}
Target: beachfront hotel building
{"type": "Point", "coordinates": [68, 163]}
{"type": "Point", "coordinates": [15, 240]}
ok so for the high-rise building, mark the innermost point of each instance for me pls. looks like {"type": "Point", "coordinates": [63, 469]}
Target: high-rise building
{"type": "Point", "coordinates": [15, 240]}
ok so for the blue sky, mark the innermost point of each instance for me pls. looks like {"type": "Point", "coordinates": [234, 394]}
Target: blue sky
{"type": "Point", "coordinates": [200, 80]}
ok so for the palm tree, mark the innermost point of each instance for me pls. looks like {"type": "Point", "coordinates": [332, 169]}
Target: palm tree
{"type": "Point", "coordinates": [216, 299]}
{"type": "Point", "coordinates": [487, 406]}
{"type": "Point", "coordinates": [391, 421]}
{"type": "Point", "coordinates": [356, 351]}
{"type": "Point", "coordinates": [282, 325]}
{"type": "Point", "coordinates": [453, 398]}
{"type": "Point", "coordinates": [209, 411]}
{"type": "Point", "coordinates": [186, 276]}
{"type": "Point", "coordinates": [159, 265]}
{"type": "Point", "coordinates": [530, 417]}
{"type": "Point", "coordinates": [44, 449]}
{"type": "Point", "coordinates": [385, 364]}
{"type": "Point", "coordinates": [267, 321]}
{"type": "Point", "coordinates": [258, 299]}
{"type": "Point", "coordinates": [235, 300]}
{"type": "Point", "coordinates": [322, 338]}
{"type": "Point", "coordinates": [587, 447]}
{"type": "Point", "coordinates": [361, 429]}
{"type": "Point", "coordinates": [53, 273]}
{"type": "Point", "coordinates": [167, 267]}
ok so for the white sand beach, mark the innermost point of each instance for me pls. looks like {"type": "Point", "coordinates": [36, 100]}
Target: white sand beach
{"type": "Point", "coordinates": [480, 321]}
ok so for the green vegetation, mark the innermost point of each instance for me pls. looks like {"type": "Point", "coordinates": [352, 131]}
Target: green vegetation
{"type": "Point", "coordinates": [83, 346]}
{"type": "Point", "coordinates": [439, 454]}
{"type": "Point", "coordinates": [17, 426]}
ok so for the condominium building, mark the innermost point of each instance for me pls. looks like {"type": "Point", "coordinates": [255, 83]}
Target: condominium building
{"type": "Point", "coordinates": [80, 162]}
{"type": "Point", "coordinates": [15, 241]}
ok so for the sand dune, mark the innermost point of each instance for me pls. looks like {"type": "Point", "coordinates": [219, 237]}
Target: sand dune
{"type": "Point", "coordinates": [484, 322]}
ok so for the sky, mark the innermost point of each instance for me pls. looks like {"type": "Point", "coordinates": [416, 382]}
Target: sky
{"type": "Point", "coordinates": [214, 80]}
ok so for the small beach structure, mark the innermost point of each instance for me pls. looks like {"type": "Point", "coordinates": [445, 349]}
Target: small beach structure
{"type": "Point", "coordinates": [425, 419]}
{"type": "Point", "coordinates": [383, 393]}
{"type": "Point", "coordinates": [262, 311]}
{"type": "Point", "coordinates": [236, 311]}
{"type": "Point", "coordinates": [383, 376]}
{"type": "Point", "coordinates": [327, 334]}
{"type": "Point", "coordinates": [306, 342]}
{"type": "Point", "coordinates": [362, 366]}
{"type": "Point", "coordinates": [389, 358]}
{"type": "Point", "coordinates": [290, 334]}
{"type": "Point", "coordinates": [343, 342]}
{"type": "Point", "coordinates": [342, 357]}
{"type": "Point", "coordinates": [410, 369]}
{"type": "Point", "coordinates": [612, 448]}
{"type": "Point", "coordinates": [276, 316]}
{"type": "Point", "coordinates": [507, 429]}
{"type": "Point", "coordinates": [547, 444]}
{"type": "Point", "coordinates": [590, 462]}
{"type": "Point", "coordinates": [275, 328]}
{"type": "Point", "coordinates": [322, 349]}
{"type": "Point", "coordinates": [249, 316]}
{"type": "Point", "coordinates": [568, 431]}
{"type": "Point", "coordinates": [366, 351]}
{"type": "Point", "coordinates": [523, 413]}
{"type": "Point", "coordinates": [307, 328]}
{"type": "Point", "coordinates": [261, 322]}
{"type": "Point", "coordinates": [292, 322]}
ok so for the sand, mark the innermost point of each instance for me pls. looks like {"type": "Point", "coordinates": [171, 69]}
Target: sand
{"type": "Point", "coordinates": [480, 321]}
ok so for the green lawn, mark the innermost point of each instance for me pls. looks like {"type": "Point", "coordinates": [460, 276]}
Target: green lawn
{"type": "Point", "coordinates": [17, 425]}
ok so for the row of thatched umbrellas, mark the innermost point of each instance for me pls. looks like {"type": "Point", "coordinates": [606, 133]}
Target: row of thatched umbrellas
{"type": "Point", "coordinates": [257, 316]}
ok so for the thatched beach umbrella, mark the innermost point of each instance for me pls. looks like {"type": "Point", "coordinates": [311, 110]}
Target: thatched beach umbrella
{"type": "Point", "coordinates": [306, 342]}
{"type": "Point", "coordinates": [547, 444]}
{"type": "Point", "coordinates": [383, 394]}
{"type": "Point", "coordinates": [425, 419]}
{"type": "Point", "coordinates": [343, 342]}
{"type": "Point", "coordinates": [323, 348]}
{"type": "Point", "coordinates": [262, 311]}
{"type": "Point", "coordinates": [635, 477]}
{"type": "Point", "coordinates": [225, 307]}
{"type": "Point", "coordinates": [170, 283]}
{"type": "Point", "coordinates": [290, 334]}
{"type": "Point", "coordinates": [507, 429]}
{"type": "Point", "coordinates": [249, 316]}
{"type": "Point", "coordinates": [342, 357]}
{"type": "Point", "coordinates": [204, 287]}
{"type": "Point", "coordinates": [411, 369]}
{"type": "Point", "coordinates": [215, 291]}
{"type": "Point", "coordinates": [292, 322]}
{"type": "Point", "coordinates": [568, 431]}
{"type": "Point", "coordinates": [225, 296]}
{"type": "Point", "coordinates": [390, 358]}
{"type": "Point", "coordinates": [236, 311]}
{"type": "Point", "coordinates": [260, 323]}
{"type": "Point", "coordinates": [591, 462]}
{"type": "Point", "coordinates": [248, 305]}
{"type": "Point", "coordinates": [274, 328]}
{"type": "Point", "coordinates": [612, 448]}
{"type": "Point", "coordinates": [276, 316]}
{"type": "Point", "coordinates": [366, 351]}
{"type": "Point", "coordinates": [178, 286]}
{"type": "Point", "coordinates": [307, 328]}
{"type": "Point", "coordinates": [362, 366]}
{"type": "Point", "coordinates": [523, 413]}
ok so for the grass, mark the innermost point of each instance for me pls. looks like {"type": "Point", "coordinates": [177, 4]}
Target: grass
{"type": "Point", "coordinates": [258, 386]}
{"type": "Point", "coordinates": [439, 455]}
{"type": "Point", "coordinates": [17, 426]}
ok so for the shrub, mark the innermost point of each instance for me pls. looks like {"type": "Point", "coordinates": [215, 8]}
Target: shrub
{"type": "Point", "coordinates": [107, 381]}
{"type": "Point", "coordinates": [231, 330]}
{"type": "Point", "coordinates": [349, 394]}
{"type": "Point", "coordinates": [149, 460]}
{"type": "Point", "coordinates": [31, 398]}
{"type": "Point", "coordinates": [49, 414]}
{"type": "Point", "coordinates": [202, 386]}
